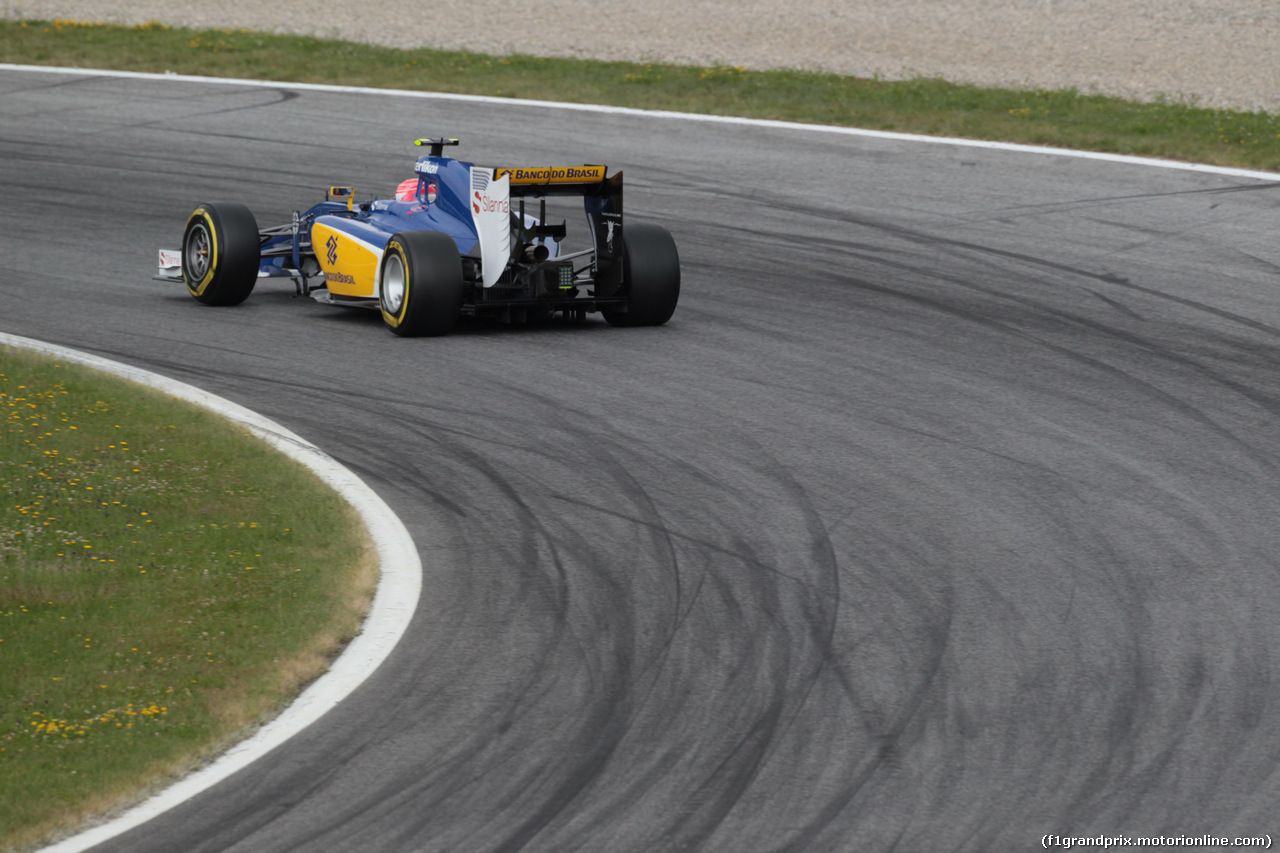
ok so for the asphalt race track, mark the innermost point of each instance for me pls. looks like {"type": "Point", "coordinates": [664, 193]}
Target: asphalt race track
{"type": "Point", "coordinates": [940, 517]}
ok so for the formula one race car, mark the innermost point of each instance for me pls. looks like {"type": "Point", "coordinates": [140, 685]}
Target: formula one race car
{"type": "Point", "coordinates": [457, 239]}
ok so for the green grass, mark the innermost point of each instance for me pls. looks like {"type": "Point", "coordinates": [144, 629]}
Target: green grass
{"type": "Point", "coordinates": [165, 581]}
{"type": "Point", "coordinates": [1063, 118]}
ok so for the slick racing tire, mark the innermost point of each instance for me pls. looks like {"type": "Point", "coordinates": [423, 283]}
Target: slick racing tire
{"type": "Point", "coordinates": [220, 253]}
{"type": "Point", "coordinates": [422, 285]}
{"type": "Point", "coordinates": [650, 277]}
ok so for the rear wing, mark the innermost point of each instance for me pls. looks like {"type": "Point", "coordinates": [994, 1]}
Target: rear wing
{"type": "Point", "coordinates": [601, 199]}
{"type": "Point", "coordinates": [552, 180]}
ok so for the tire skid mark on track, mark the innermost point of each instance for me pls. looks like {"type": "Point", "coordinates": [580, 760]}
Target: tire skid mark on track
{"type": "Point", "coordinates": [658, 530]}
{"type": "Point", "coordinates": [1171, 400]}
{"type": "Point", "coordinates": [540, 545]}
{"type": "Point", "coordinates": [1076, 205]}
{"type": "Point", "coordinates": [966, 281]}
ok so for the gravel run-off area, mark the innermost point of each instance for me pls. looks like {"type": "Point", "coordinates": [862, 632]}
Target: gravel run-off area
{"type": "Point", "coordinates": [1219, 53]}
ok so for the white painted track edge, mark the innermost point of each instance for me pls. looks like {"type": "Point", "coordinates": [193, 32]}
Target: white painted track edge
{"type": "Point", "coordinates": [393, 606]}
{"type": "Point", "coordinates": [602, 108]}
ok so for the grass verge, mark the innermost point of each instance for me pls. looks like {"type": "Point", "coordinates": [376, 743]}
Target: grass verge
{"type": "Point", "coordinates": [1065, 117]}
{"type": "Point", "coordinates": [166, 580]}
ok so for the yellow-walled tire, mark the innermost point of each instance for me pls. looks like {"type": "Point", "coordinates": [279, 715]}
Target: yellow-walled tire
{"type": "Point", "coordinates": [220, 253]}
{"type": "Point", "coordinates": [422, 287]}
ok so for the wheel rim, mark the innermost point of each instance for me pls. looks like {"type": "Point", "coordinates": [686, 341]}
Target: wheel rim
{"type": "Point", "coordinates": [195, 254]}
{"type": "Point", "coordinates": [393, 285]}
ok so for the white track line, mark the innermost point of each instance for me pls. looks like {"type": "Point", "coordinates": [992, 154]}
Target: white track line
{"type": "Point", "coordinates": [399, 585]}
{"type": "Point", "coordinates": [401, 571]}
{"type": "Point", "coordinates": [598, 108]}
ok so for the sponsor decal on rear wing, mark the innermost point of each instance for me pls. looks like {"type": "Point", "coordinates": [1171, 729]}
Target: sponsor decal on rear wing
{"type": "Point", "coordinates": [553, 175]}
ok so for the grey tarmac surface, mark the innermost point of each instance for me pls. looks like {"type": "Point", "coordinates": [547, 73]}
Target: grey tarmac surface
{"type": "Point", "coordinates": [941, 516]}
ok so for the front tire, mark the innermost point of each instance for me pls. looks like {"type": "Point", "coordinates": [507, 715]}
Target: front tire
{"type": "Point", "coordinates": [220, 253]}
{"type": "Point", "coordinates": [422, 285]}
{"type": "Point", "coordinates": [650, 277]}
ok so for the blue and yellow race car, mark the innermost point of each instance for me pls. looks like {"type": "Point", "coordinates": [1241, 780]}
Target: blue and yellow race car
{"type": "Point", "coordinates": [457, 239]}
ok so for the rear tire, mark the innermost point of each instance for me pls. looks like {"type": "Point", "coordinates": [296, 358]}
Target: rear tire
{"type": "Point", "coordinates": [650, 277]}
{"type": "Point", "coordinates": [422, 284]}
{"type": "Point", "coordinates": [220, 253]}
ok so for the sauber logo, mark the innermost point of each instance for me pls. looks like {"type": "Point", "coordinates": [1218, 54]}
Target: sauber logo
{"type": "Point", "coordinates": [482, 202]}
{"type": "Point", "coordinates": [332, 245]}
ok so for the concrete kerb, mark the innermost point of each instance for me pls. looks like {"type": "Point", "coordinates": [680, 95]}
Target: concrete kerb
{"type": "Point", "coordinates": [394, 602]}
